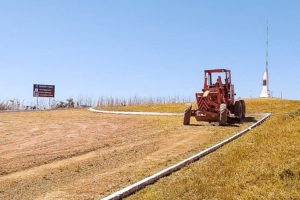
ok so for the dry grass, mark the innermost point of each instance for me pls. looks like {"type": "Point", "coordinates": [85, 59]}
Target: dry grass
{"type": "Point", "coordinates": [77, 154]}
{"type": "Point", "coordinates": [263, 164]}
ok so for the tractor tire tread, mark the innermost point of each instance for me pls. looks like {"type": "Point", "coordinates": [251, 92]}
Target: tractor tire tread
{"type": "Point", "coordinates": [238, 111]}
{"type": "Point", "coordinates": [243, 109]}
{"type": "Point", "coordinates": [187, 114]}
{"type": "Point", "coordinates": [223, 115]}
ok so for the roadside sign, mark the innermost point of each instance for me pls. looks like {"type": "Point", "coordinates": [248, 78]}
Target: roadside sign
{"type": "Point", "coordinates": [43, 90]}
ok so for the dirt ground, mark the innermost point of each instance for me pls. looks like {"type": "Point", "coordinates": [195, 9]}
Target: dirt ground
{"type": "Point", "coordinates": [76, 154]}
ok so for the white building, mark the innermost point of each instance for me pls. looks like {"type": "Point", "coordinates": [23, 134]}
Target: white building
{"type": "Point", "coordinates": [265, 91]}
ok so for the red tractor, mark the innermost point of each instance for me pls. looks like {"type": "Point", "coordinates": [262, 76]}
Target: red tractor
{"type": "Point", "coordinates": [216, 102]}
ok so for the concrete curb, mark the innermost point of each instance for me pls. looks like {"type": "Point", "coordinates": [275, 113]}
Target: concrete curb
{"type": "Point", "coordinates": [152, 179]}
{"type": "Point", "coordinates": [135, 113]}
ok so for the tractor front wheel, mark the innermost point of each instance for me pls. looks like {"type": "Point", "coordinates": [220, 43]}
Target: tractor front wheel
{"type": "Point", "coordinates": [187, 114]}
{"type": "Point", "coordinates": [243, 109]}
{"type": "Point", "coordinates": [238, 110]}
{"type": "Point", "coordinates": [223, 115]}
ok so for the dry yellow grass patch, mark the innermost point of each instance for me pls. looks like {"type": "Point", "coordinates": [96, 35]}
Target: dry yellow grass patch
{"type": "Point", "coordinates": [263, 164]}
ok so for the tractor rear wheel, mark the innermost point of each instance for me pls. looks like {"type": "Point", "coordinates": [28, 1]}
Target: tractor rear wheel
{"type": "Point", "coordinates": [238, 110]}
{"type": "Point", "coordinates": [187, 114]}
{"type": "Point", "coordinates": [223, 115]}
{"type": "Point", "coordinates": [243, 108]}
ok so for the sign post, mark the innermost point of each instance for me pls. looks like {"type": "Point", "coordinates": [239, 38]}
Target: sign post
{"type": "Point", "coordinates": [43, 91]}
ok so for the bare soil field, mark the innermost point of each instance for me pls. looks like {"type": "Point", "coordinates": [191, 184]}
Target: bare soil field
{"type": "Point", "coordinates": [76, 154]}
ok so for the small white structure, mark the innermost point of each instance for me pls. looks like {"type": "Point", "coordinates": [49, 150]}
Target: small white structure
{"type": "Point", "coordinates": [265, 91]}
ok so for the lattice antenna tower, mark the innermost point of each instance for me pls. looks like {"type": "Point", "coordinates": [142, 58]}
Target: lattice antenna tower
{"type": "Point", "coordinates": [267, 48]}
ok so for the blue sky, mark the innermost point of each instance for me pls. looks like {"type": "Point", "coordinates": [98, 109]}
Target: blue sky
{"type": "Point", "coordinates": [153, 48]}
